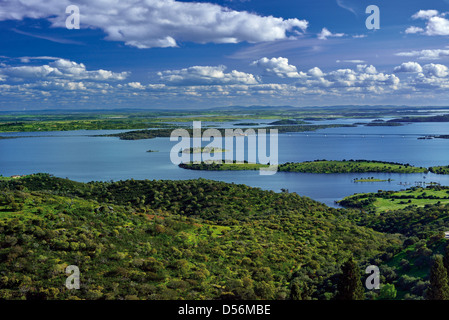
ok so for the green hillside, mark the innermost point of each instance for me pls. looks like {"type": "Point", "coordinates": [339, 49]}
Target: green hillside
{"type": "Point", "coordinates": [196, 239]}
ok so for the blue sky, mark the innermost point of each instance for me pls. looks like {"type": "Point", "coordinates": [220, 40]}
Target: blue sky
{"type": "Point", "coordinates": [184, 54]}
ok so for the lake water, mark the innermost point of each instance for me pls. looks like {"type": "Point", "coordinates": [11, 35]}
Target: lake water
{"type": "Point", "coordinates": [79, 156]}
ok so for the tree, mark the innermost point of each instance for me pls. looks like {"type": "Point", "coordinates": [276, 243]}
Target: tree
{"type": "Point", "coordinates": [387, 292]}
{"type": "Point", "coordinates": [301, 288]}
{"type": "Point", "coordinates": [446, 258]}
{"type": "Point", "coordinates": [350, 286]}
{"type": "Point", "coordinates": [439, 288]}
{"type": "Point", "coordinates": [295, 291]}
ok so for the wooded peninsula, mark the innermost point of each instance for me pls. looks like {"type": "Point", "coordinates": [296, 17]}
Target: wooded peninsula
{"type": "Point", "coordinates": [317, 166]}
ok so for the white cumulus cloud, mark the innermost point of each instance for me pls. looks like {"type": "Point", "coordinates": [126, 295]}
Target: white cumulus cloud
{"type": "Point", "coordinates": [426, 54]}
{"type": "Point", "coordinates": [160, 23]}
{"type": "Point", "coordinates": [325, 33]}
{"type": "Point", "coordinates": [136, 85]}
{"type": "Point", "coordinates": [425, 14]}
{"type": "Point", "coordinates": [351, 61]}
{"type": "Point", "coordinates": [412, 30]}
{"type": "Point", "coordinates": [278, 66]}
{"type": "Point", "coordinates": [436, 23]}
{"type": "Point", "coordinates": [315, 72]}
{"type": "Point", "coordinates": [408, 67]}
{"type": "Point", "coordinates": [436, 70]}
{"type": "Point", "coordinates": [61, 68]}
{"type": "Point", "coordinates": [365, 78]}
{"type": "Point", "coordinates": [206, 75]}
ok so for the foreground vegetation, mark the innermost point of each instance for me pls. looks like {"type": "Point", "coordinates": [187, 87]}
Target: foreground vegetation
{"type": "Point", "coordinates": [421, 215]}
{"type": "Point", "coordinates": [194, 239]}
{"type": "Point", "coordinates": [202, 239]}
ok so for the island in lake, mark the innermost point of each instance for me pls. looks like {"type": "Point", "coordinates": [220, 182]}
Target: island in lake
{"type": "Point", "coordinates": [317, 166]}
{"type": "Point", "coordinates": [371, 179]}
{"type": "Point", "coordinates": [203, 150]}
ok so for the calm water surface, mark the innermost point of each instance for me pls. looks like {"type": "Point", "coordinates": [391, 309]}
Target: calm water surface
{"type": "Point", "coordinates": [79, 156]}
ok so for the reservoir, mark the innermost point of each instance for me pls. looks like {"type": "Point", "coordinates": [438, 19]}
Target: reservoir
{"type": "Point", "coordinates": [79, 156]}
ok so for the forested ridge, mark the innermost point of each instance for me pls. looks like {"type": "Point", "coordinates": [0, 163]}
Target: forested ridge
{"type": "Point", "coordinates": [202, 239]}
{"type": "Point", "coordinates": [166, 132]}
{"type": "Point", "coordinates": [195, 239]}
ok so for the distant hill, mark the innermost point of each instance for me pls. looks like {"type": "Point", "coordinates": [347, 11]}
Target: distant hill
{"type": "Point", "coordinates": [441, 118]}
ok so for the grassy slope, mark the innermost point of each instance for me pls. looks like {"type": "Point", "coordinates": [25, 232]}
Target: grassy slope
{"type": "Point", "coordinates": [423, 222]}
{"type": "Point", "coordinates": [200, 239]}
{"type": "Point", "coordinates": [168, 240]}
{"type": "Point", "coordinates": [394, 200]}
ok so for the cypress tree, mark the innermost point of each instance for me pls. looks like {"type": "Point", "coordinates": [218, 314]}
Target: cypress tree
{"type": "Point", "coordinates": [301, 289]}
{"type": "Point", "coordinates": [439, 288]}
{"type": "Point", "coordinates": [350, 286]}
{"type": "Point", "coordinates": [295, 291]}
{"type": "Point", "coordinates": [446, 259]}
